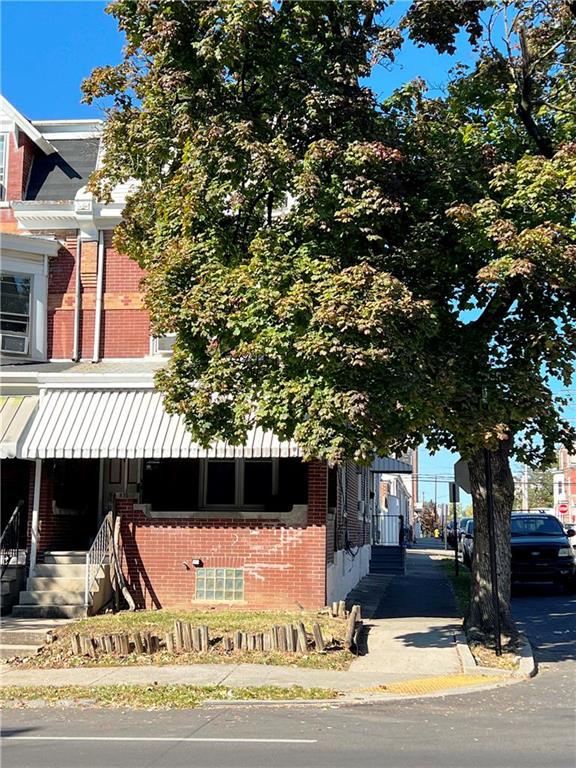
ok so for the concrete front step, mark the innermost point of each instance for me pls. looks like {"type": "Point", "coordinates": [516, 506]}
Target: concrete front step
{"type": "Point", "coordinates": [49, 611]}
{"type": "Point", "coordinates": [22, 651]}
{"type": "Point", "coordinates": [23, 636]}
{"type": "Point", "coordinates": [56, 584]}
{"type": "Point", "coordinates": [68, 570]}
{"type": "Point", "coordinates": [65, 558]}
{"type": "Point", "coordinates": [50, 597]}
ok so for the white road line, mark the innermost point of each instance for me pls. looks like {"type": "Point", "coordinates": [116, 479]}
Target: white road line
{"type": "Point", "coordinates": [158, 738]}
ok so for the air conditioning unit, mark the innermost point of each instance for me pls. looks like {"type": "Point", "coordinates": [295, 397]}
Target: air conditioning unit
{"type": "Point", "coordinates": [13, 344]}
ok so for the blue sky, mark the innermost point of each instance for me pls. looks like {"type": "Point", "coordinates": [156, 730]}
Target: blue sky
{"type": "Point", "coordinates": [48, 47]}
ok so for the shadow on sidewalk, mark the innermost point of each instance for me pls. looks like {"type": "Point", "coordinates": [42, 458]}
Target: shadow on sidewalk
{"type": "Point", "coordinates": [422, 592]}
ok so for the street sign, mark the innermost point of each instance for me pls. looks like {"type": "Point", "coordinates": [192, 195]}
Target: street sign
{"type": "Point", "coordinates": [454, 493]}
{"type": "Point", "coordinates": [563, 508]}
{"type": "Point", "coordinates": [462, 475]}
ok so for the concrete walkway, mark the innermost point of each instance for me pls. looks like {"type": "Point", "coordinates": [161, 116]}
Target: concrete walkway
{"type": "Point", "coordinates": [411, 620]}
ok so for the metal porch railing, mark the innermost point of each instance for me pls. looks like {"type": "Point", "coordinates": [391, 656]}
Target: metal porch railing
{"type": "Point", "coordinates": [10, 540]}
{"type": "Point", "coordinates": [98, 556]}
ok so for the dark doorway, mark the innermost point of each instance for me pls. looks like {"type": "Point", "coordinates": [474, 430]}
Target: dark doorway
{"type": "Point", "coordinates": [75, 506]}
{"type": "Point", "coordinates": [15, 476]}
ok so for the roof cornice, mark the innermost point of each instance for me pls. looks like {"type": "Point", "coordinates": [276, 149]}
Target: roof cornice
{"type": "Point", "coordinates": [26, 126]}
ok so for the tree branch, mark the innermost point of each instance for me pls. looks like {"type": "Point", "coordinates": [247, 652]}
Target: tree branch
{"type": "Point", "coordinates": [498, 306]}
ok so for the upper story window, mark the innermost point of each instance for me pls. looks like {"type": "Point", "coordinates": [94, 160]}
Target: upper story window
{"type": "Point", "coordinates": [162, 345]}
{"type": "Point", "coordinates": [3, 164]}
{"type": "Point", "coordinates": [15, 293]}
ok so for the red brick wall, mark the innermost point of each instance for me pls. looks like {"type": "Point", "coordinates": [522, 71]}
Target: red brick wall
{"type": "Point", "coordinates": [125, 328]}
{"type": "Point", "coordinates": [50, 533]}
{"type": "Point", "coordinates": [61, 280]}
{"type": "Point", "coordinates": [283, 566]}
{"type": "Point", "coordinates": [355, 526]}
{"type": "Point", "coordinates": [20, 156]}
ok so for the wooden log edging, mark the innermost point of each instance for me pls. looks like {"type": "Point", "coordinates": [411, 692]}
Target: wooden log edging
{"type": "Point", "coordinates": [184, 638]}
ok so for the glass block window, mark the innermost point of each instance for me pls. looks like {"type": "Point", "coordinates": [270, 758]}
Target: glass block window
{"type": "Point", "coordinates": [220, 584]}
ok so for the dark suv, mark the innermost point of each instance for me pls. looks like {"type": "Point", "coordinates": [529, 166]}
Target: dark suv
{"type": "Point", "coordinates": [541, 550]}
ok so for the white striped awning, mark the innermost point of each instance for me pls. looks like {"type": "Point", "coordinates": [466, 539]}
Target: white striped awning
{"type": "Point", "coordinates": [127, 424]}
{"type": "Point", "coordinates": [15, 415]}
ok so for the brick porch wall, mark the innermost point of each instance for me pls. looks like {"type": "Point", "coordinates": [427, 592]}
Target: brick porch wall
{"type": "Point", "coordinates": [51, 534]}
{"type": "Point", "coordinates": [283, 566]}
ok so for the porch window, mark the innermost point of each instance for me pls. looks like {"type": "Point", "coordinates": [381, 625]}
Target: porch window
{"type": "Point", "coordinates": [188, 485]}
{"type": "Point", "coordinates": [15, 291]}
{"type": "Point", "coordinates": [239, 483]}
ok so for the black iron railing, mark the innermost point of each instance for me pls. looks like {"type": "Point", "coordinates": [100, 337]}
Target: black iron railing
{"type": "Point", "coordinates": [10, 539]}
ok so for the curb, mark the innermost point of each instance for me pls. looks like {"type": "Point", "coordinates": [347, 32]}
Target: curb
{"type": "Point", "coordinates": [347, 699]}
{"type": "Point", "coordinates": [527, 666]}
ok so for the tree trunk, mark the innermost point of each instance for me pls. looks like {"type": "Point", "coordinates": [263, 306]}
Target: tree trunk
{"type": "Point", "coordinates": [481, 615]}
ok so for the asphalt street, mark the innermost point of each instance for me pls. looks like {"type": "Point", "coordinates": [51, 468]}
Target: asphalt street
{"type": "Point", "coordinates": [527, 725]}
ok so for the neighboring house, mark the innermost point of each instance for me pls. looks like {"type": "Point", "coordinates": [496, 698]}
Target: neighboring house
{"type": "Point", "coordinates": [84, 431]}
{"type": "Point", "coordinates": [565, 487]}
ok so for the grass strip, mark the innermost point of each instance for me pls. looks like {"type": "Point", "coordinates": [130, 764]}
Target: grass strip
{"type": "Point", "coordinates": [153, 696]}
{"type": "Point", "coordinates": [460, 584]}
{"type": "Point", "coordinates": [58, 654]}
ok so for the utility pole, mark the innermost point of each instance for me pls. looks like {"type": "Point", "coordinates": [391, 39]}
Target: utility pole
{"type": "Point", "coordinates": [525, 499]}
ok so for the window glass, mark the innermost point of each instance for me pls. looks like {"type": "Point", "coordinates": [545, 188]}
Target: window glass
{"type": "Point", "coordinates": [171, 485]}
{"type": "Point", "coordinates": [257, 482]}
{"type": "Point", "coordinates": [15, 312]}
{"type": "Point", "coordinates": [221, 483]}
{"type": "Point", "coordinates": [536, 525]}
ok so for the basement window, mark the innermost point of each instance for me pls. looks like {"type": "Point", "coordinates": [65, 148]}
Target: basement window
{"type": "Point", "coordinates": [220, 584]}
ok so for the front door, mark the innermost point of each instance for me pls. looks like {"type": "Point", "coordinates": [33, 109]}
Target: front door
{"type": "Point", "coordinates": [75, 504]}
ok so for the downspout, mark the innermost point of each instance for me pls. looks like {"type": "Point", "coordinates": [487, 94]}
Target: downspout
{"type": "Point", "coordinates": [99, 294]}
{"type": "Point", "coordinates": [77, 302]}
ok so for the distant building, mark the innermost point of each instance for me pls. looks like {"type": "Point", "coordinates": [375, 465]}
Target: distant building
{"type": "Point", "coordinates": [565, 487]}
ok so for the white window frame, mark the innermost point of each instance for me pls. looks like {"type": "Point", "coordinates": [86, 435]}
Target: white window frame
{"type": "Point", "coordinates": [155, 351]}
{"type": "Point", "coordinates": [4, 165]}
{"type": "Point", "coordinates": [36, 269]}
{"type": "Point", "coordinates": [29, 326]}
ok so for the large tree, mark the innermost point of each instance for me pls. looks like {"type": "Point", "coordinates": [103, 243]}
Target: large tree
{"type": "Point", "coordinates": [359, 276]}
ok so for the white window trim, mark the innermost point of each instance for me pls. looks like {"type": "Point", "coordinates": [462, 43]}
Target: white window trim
{"type": "Point", "coordinates": [37, 271]}
{"type": "Point", "coordinates": [4, 164]}
{"type": "Point", "coordinates": [155, 351]}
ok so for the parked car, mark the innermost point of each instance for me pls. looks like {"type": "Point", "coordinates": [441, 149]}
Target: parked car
{"type": "Point", "coordinates": [462, 526]}
{"type": "Point", "coordinates": [542, 550]}
{"type": "Point", "coordinates": [467, 542]}
{"type": "Point", "coordinates": [450, 533]}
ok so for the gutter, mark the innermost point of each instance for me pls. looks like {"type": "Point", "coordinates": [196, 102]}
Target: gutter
{"type": "Point", "coordinates": [99, 295]}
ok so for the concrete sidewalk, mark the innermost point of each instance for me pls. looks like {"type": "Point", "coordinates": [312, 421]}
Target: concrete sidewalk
{"type": "Point", "coordinates": [411, 620]}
